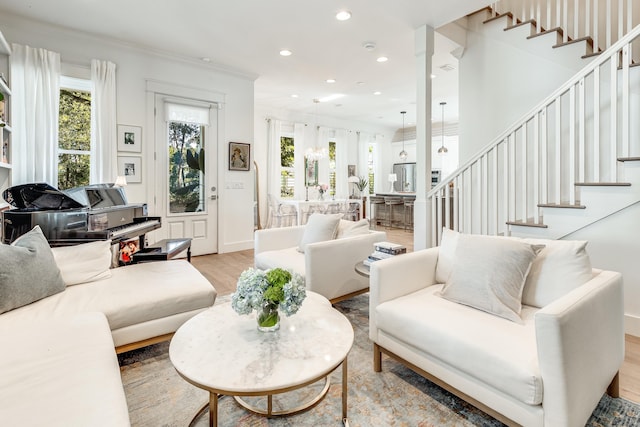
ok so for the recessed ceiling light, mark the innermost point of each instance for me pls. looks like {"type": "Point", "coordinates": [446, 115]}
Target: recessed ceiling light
{"type": "Point", "coordinates": [343, 15]}
{"type": "Point", "coordinates": [330, 80]}
{"type": "Point", "coordinates": [382, 59]}
{"type": "Point", "coordinates": [295, 95]}
{"type": "Point", "coordinates": [205, 59]}
{"type": "Point", "coordinates": [377, 93]}
{"type": "Point", "coordinates": [285, 52]}
{"type": "Point", "coordinates": [433, 76]}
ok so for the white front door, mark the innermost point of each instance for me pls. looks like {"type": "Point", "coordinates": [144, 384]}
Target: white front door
{"type": "Point", "coordinates": [186, 170]}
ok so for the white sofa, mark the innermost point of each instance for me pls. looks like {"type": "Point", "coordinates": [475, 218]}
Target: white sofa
{"type": "Point", "coordinates": [328, 266]}
{"type": "Point", "coordinates": [58, 366]}
{"type": "Point", "coordinates": [548, 369]}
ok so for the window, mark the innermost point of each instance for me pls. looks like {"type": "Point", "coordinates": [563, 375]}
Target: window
{"type": "Point", "coordinates": [74, 133]}
{"type": "Point", "coordinates": [287, 177]}
{"type": "Point", "coordinates": [370, 168]}
{"type": "Point", "coordinates": [186, 126]}
{"type": "Point", "coordinates": [332, 168]}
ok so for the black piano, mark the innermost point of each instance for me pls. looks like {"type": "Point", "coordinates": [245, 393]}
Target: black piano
{"type": "Point", "coordinates": [79, 215]}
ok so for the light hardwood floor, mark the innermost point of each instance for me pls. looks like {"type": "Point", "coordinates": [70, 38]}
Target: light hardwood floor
{"type": "Point", "coordinates": [223, 270]}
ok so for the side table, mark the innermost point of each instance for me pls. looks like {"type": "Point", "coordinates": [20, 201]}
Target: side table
{"type": "Point", "coordinates": [163, 250]}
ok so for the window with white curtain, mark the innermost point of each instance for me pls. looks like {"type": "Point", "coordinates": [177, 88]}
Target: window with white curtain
{"type": "Point", "coordinates": [74, 132]}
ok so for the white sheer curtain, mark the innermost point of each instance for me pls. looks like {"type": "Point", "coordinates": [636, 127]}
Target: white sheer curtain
{"type": "Point", "coordinates": [299, 190]}
{"type": "Point", "coordinates": [35, 78]}
{"type": "Point", "coordinates": [363, 154]}
{"type": "Point", "coordinates": [322, 142]}
{"type": "Point", "coordinates": [273, 157]}
{"type": "Point", "coordinates": [342, 154]}
{"type": "Point", "coordinates": [381, 185]}
{"type": "Point", "coordinates": [103, 122]}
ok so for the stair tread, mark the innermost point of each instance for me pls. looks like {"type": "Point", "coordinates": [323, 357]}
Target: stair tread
{"type": "Point", "coordinates": [528, 223]}
{"type": "Point", "coordinates": [561, 205]}
{"type": "Point", "coordinates": [628, 159]}
{"type": "Point", "coordinates": [520, 24]}
{"type": "Point", "coordinates": [604, 184]}
{"type": "Point", "coordinates": [587, 39]}
{"type": "Point", "coordinates": [493, 18]}
{"type": "Point", "coordinates": [542, 33]}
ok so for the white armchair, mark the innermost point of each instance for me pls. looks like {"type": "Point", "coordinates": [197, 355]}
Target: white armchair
{"type": "Point", "coordinates": [328, 266]}
{"type": "Point", "coordinates": [551, 369]}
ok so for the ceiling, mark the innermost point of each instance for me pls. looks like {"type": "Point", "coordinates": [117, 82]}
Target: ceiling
{"type": "Point", "coordinates": [246, 36]}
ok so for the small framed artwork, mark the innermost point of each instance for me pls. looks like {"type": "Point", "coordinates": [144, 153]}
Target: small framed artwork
{"type": "Point", "coordinates": [129, 138]}
{"type": "Point", "coordinates": [239, 156]}
{"type": "Point", "coordinates": [351, 170]}
{"type": "Point", "coordinates": [130, 168]}
{"type": "Point", "coordinates": [310, 172]}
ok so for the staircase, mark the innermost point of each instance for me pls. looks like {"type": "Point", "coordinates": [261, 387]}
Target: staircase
{"type": "Point", "coordinates": [571, 161]}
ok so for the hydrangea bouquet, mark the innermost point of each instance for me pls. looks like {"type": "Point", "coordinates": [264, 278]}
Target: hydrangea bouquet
{"type": "Point", "coordinates": [266, 292]}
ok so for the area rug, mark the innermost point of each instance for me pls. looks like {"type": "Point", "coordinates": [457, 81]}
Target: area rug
{"type": "Point", "coordinates": [157, 396]}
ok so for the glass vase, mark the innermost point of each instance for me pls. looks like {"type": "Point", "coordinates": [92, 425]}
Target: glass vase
{"type": "Point", "coordinates": [268, 318]}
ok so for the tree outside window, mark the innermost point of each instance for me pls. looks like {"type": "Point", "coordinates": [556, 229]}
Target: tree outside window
{"type": "Point", "coordinates": [332, 168]}
{"type": "Point", "coordinates": [287, 172]}
{"type": "Point", "coordinates": [186, 167]}
{"type": "Point", "coordinates": [74, 138]}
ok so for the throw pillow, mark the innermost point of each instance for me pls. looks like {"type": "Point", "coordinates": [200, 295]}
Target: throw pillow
{"type": "Point", "coordinates": [319, 228]}
{"type": "Point", "coordinates": [489, 274]}
{"type": "Point", "coordinates": [446, 254]}
{"type": "Point", "coordinates": [352, 228]}
{"type": "Point", "coordinates": [560, 267]}
{"type": "Point", "coordinates": [28, 271]}
{"type": "Point", "coordinates": [84, 263]}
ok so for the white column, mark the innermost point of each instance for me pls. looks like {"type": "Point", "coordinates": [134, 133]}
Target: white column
{"type": "Point", "coordinates": [422, 207]}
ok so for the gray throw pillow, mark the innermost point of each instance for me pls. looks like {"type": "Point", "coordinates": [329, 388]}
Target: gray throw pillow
{"type": "Point", "coordinates": [489, 274]}
{"type": "Point", "coordinates": [28, 271]}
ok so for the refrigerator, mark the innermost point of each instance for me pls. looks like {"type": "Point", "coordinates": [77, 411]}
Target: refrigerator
{"type": "Point", "coordinates": [406, 174]}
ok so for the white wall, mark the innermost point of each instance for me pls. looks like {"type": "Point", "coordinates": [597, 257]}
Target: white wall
{"type": "Point", "coordinates": [134, 67]}
{"type": "Point", "coordinates": [502, 76]}
{"type": "Point", "coordinates": [613, 245]}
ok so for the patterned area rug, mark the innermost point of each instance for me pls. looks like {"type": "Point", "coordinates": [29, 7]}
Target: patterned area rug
{"type": "Point", "coordinates": [157, 396]}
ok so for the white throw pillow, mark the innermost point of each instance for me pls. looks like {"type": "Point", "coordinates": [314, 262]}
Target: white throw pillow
{"type": "Point", "coordinates": [84, 263]}
{"type": "Point", "coordinates": [446, 254]}
{"type": "Point", "coordinates": [489, 274]}
{"type": "Point", "coordinates": [352, 228]}
{"type": "Point", "coordinates": [559, 268]}
{"type": "Point", "coordinates": [319, 228]}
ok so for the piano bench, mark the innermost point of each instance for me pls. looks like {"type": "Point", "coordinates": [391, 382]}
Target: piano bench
{"type": "Point", "coordinates": [163, 250]}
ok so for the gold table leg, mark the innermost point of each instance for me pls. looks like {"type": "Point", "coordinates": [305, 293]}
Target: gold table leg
{"type": "Point", "coordinates": [345, 393]}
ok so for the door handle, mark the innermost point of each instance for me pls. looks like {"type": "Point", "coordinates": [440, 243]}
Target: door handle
{"type": "Point", "coordinates": [214, 197]}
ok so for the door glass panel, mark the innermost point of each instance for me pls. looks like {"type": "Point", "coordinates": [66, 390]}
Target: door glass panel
{"type": "Point", "coordinates": [186, 167]}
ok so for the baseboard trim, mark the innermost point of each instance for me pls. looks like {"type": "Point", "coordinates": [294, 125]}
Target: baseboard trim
{"type": "Point", "coordinates": [632, 325]}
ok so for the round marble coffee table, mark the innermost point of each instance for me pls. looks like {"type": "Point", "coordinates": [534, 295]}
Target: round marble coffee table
{"type": "Point", "coordinates": [224, 353]}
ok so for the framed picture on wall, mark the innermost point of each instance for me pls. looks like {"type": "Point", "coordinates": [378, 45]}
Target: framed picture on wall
{"type": "Point", "coordinates": [239, 156]}
{"type": "Point", "coordinates": [129, 138]}
{"type": "Point", "coordinates": [130, 168]}
{"type": "Point", "coordinates": [351, 170]}
{"type": "Point", "coordinates": [310, 172]}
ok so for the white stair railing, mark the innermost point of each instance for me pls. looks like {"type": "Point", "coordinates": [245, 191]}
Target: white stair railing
{"type": "Point", "coordinates": [576, 135]}
{"type": "Point", "coordinates": [605, 21]}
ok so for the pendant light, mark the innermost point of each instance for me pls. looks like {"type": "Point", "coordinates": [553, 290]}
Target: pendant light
{"type": "Point", "coordinates": [403, 154]}
{"type": "Point", "coordinates": [443, 149]}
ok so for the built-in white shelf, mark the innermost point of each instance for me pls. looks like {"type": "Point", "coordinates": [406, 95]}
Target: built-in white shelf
{"type": "Point", "coordinates": [5, 165]}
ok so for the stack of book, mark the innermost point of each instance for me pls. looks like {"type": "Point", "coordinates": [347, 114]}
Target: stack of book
{"type": "Point", "coordinates": [384, 250]}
